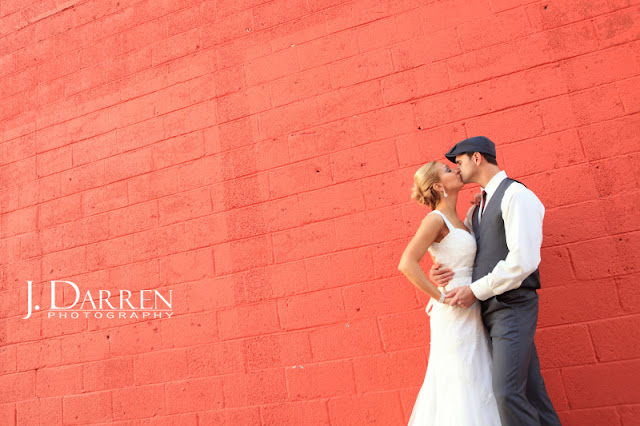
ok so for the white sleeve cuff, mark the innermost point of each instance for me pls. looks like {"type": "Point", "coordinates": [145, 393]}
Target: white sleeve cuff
{"type": "Point", "coordinates": [481, 289]}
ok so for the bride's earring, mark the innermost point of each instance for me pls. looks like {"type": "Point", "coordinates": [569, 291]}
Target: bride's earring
{"type": "Point", "coordinates": [444, 192]}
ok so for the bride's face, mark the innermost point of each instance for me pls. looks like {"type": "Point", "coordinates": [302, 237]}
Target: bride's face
{"type": "Point", "coordinates": [450, 178]}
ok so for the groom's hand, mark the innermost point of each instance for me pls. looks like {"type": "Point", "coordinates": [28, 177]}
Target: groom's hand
{"type": "Point", "coordinates": [461, 296]}
{"type": "Point", "coordinates": [439, 275]}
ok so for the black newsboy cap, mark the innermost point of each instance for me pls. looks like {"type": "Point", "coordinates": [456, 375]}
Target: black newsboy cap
{"type": "Point", "coordinates": [475, 144]}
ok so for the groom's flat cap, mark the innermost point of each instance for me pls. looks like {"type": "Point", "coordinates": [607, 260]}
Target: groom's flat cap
{"type": "Point", "coordinates": [475, 144]}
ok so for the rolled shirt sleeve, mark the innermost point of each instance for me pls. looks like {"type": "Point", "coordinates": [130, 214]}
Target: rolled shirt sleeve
{"type": "Point", "coordinates": [523, 214]}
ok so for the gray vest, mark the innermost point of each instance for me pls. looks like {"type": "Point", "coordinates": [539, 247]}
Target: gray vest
{"type": "Point", "coordinates": [492, 243]}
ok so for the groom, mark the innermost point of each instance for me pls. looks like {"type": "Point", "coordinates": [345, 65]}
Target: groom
{"type": "Point", "coordinates": [508, 230]}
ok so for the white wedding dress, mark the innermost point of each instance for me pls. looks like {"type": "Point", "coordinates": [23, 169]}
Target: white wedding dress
{"type": "Point", "coordinates": [457, 388]}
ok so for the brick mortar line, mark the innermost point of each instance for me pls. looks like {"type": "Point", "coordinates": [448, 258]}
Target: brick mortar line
{"type": "Point", "coordinates": [341, 288]}
{"type": "Point", "coordinates": [256, 174]}
{"type": "Point", "coordinates": [71, 4]}
{"type": "Point", "coordinates": [565, 244]}
{"type": "Point", "coordinates": [272, 301]}
{"type": "Point", "coordinates": [590, 240]}
{"type": "Point", "coordinates": [600, 320]}
{"type": "Point", "coordinates": [392, 74]}
{"type": "Point", "coordinates": [320, 124]}
{"type": "Point", "coordinates": [444, 60]}
{"type": "Point", "coordinates": [321, 12]}
{"type": "Point", "coordinates": [614, 406]}
{"type": "Point", "coordinates": [246, 339]}
{"type": "Point", "coordinates": [290, 163]}
{"type": "Point", "coordinates": [270, 233]}
{"type": "Point", "coordinates": [385, 47]}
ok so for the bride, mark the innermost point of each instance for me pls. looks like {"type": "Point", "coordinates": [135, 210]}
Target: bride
{"type": "Point", "coordinates": [457, 388]}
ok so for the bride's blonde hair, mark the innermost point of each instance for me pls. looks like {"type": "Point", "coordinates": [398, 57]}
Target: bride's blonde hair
{"type": "Point", "coordinates": [423, 180]}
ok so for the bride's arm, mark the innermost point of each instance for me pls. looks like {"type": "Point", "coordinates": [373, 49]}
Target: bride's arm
{"type": "Point", "coordinates": [427, 233]}
{"type": "Point", "coordinates": [468, 220]}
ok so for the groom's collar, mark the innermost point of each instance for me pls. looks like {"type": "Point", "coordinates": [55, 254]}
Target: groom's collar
{"type": "Point", "coordinates": [494, 182]}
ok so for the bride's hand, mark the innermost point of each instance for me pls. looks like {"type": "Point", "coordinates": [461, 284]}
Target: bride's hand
{"type": "Point", "coordinates": [440, 275]}
{"type": "Point", "coordinates": [476, 199]}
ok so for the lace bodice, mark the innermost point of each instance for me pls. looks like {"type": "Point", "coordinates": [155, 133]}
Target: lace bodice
{"type": "Point", "coordinates": [457, 251]}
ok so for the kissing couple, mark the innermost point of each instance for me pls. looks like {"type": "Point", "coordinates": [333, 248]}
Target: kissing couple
{"type": "Point", "coordinates": [483, 366]}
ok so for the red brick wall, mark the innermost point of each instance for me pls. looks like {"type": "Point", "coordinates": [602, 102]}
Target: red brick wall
{"type": "Point", "coordinates": [256, 158]}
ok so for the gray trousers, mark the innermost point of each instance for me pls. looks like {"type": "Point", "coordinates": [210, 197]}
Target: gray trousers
{"type": "Point", "coordinates": [518, 386]}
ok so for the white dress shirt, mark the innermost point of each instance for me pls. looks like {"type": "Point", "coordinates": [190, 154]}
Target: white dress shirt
{"type": "Point", "coordinates": [522, 213]}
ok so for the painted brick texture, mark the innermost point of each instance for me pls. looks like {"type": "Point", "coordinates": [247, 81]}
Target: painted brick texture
{"type": "Point", "coordinates": [256, 158]}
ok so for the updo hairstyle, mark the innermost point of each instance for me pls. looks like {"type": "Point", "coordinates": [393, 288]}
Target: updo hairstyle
{"type": "Point", "coordinates": [423, 180]}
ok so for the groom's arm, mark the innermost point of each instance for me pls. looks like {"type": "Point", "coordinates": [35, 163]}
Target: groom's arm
{"type": "Point", "coordinates": [522, 213]}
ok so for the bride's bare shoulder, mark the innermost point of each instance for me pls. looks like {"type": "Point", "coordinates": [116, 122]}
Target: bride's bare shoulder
{"type": "Point", "coordinates": [432, 221]}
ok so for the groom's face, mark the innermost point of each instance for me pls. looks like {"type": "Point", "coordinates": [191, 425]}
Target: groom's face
{"type": "Point", "coordinates": [467, 168]}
